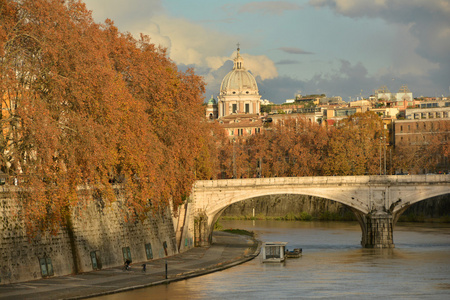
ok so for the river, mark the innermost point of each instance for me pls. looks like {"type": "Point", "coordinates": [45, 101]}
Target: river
{"type": "Point", "coordinates": [333, 265]}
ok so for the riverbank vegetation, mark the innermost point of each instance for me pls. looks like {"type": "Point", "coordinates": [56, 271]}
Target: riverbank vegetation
{"type": "Point", "coordinates": [327, 216]}
{"type": "Point", "coordinates": [240, 232]}
{"type": "Point", "coordinates": [303, 216]}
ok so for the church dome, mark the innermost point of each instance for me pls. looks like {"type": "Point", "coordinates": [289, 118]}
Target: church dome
{"type": "Point", "coordinates": [239, 81]}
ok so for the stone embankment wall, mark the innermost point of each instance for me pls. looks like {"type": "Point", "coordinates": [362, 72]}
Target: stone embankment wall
{"type": "Point", "coordinates": [293, 205]}
{"type": "Point", "coordinates": [97, 237]}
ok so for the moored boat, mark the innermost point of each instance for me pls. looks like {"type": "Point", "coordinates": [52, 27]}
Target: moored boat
{"type": "Point", "coordinates": [296, 253]}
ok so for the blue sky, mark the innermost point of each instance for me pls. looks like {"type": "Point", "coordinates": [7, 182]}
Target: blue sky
{"type": "Point", "coordinates": [341, 48]}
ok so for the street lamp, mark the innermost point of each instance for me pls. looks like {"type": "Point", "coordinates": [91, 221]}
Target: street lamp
{"type": "Point", "coordinates": [234, 159]}
{"type": "Point", "coordinates": [381, 138]}
{"type": "Point", "coordinates": [384, 146]}
{"type": "Point", "coordinates": [383, 141]}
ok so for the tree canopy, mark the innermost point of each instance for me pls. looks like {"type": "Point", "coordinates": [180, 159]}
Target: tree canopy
{"type": "Point", "coordinates": [84, 104]}
{"type": "Point", "coordinates": [298, 147]}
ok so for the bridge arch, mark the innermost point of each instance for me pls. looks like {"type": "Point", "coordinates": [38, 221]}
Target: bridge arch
{"type": "Point", "coordinates": [241, 198]}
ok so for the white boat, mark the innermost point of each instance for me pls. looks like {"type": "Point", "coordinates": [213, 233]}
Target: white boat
{"type": "Point", "coordinates": [274, 252]}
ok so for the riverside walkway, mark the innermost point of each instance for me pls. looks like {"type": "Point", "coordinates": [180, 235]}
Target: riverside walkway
{"type": "Point", "coordinates": [226, 251]}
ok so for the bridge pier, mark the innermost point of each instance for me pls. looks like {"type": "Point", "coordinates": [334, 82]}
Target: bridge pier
{"type": "Point", "coordinates": [377, 230]}
{"type": "Point", "coordinates": [202, 232]}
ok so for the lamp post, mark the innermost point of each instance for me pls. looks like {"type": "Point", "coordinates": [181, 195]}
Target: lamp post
{"type": "Point", "coordinates": [380, 153]}
{"type": "Point", "coordinates": [260, 167]}
{"type": "Point", "coordinates": [384, 146]}
{"type": "Point", "coordinates": [383, 142]}
{"type": "Point", "coordinates": [234, 159]}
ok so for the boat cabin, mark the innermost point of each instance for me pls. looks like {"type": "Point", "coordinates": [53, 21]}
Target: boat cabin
{"type": "Point", "coordinates": [274, 251]}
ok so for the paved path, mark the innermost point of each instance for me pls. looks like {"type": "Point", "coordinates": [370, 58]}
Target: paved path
{"type": "Point", "coordinates": [227, 250]}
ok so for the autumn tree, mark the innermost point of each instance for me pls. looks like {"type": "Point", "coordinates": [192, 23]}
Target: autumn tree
{"type": "Point", "coordinates": [291, 147]}
{"type": "Point", "coordinates": [91, 105]}
{"type": "Point", "coordinates": [355, 144]}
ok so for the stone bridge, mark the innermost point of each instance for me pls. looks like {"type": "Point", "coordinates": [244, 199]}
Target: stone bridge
{"type": "Point", "coordinates": [377, 201]}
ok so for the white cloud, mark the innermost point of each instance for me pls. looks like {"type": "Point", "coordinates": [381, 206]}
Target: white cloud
{"type": "Point", "coordinates": [397, 11]}
{"type": "Point", "coordinates": [260, 65]}
{"type": "Point", "coordinates": [268, 7]}
{"type": "Point", "coordinates": [294, 50]}
{"type": "Point", "coordinates": [188, 43]}
{"type": "Point", "coordinates": [123, 12]}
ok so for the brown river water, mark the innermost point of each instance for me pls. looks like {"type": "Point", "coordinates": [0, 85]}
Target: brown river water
{"type": "Point", "coordinates": [333, 266]}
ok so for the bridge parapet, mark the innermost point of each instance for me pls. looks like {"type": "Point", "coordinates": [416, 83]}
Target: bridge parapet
{"type": "Point", "coordinates": [320, 180]}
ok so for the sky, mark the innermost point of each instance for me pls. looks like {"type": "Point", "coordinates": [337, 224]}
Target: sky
{"type": "Point", "coordinates": [346, 48]}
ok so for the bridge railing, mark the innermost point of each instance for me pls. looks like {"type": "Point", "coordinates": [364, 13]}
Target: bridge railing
{"type": "Point", "coordinates": [333, 180]}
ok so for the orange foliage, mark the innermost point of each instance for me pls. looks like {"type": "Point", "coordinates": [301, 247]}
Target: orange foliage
{"type": "Point", "coordinates": [296, 147]}
{"type": "Point", "coordinates": [93, 106]}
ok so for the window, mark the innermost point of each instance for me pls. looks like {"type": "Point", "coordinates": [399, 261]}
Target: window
{"type": "Point", "coordinates": [247, 108]}
{"type": "Point", "coordinates": [234, 108]}
{"type": "Point", "coordinates": [240, 132]}
{"type": "Point", "coordinates": [148, 251]}
{"type": "Point", "coordinates": [401, 128]}
{"type": "Point", "coordinates": [95, 259]}
{"type": "Point", "coordinates": [126, 253]}
{"type": "Point", "coordinates": [46, 266]}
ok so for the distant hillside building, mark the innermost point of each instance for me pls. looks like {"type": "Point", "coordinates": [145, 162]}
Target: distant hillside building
{"type": "Point", "coordinates": [423, 124]}
{"type": "Point", "coordinates": [402, 99]}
